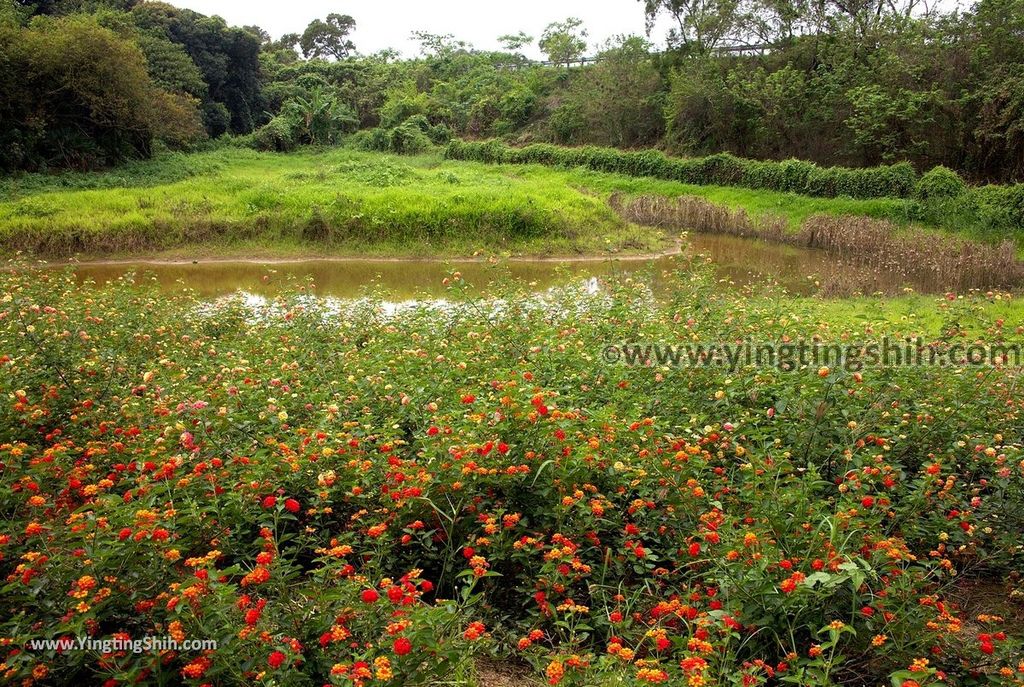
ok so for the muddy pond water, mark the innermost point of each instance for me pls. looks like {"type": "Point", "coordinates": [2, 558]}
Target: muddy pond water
{"type": "Point", "coordinates": [735, 261]}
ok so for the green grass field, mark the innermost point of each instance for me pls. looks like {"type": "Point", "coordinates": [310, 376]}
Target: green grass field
{"type": "Point", "coordinates": [341, 201]}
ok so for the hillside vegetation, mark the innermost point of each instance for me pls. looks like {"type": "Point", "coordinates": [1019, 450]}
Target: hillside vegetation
{"type": "Point", "coordinates": [95, 83]}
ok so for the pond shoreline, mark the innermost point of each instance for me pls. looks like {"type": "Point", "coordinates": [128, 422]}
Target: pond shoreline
{"type": "Point", "coordinates": [676, 249]}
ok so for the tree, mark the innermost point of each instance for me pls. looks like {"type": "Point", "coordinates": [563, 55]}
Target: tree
{"type": "Point", "coordinates": [883, 121]}
{"type": "Point", "coordinates": [564, 42]}
{"type": "Point", "coordinates": [283, 50]}
{"type": "Point", "coordinates": [999, 135]}
{"type": "Point", "coordinates": [776, 21]}
{"type": "Point", "coordinates": [261, 35]}
{"type": "Point", "coordinates": [13, 14]}
{"type": "Point", "coordinates": [64, 7]}
{"type": "Point", "coordinates": [289, 41]}
{"type": "Point", "coordinates": [228, 58]}
{"type": "Point", "coordinates": [81, 97]}
{"type": "Point", "coordinates": [38, 6]}
{"type": "Point", "coordinates": [704, 114]}
{"type": "Point", "coordinates": [439, 44]}
{"type": "Point", "coordinates": [997, 27]}
{"type": "Point", "coordinates": [701, 25]}
{"type": "Point", "coordinates": [171, 67]}
{"type": "Point", "coordinates": [383, 56]}
{"type": "Point", "coordinates": [514, 42]}
{"type": "Point", "coordinates": [618, 101]}
{"type": "Point", "coordinates": [330, 38]}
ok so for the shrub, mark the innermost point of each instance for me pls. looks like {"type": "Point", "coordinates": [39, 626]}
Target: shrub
{"type": "Point", "coordinates": [400, 107]}
{"type": "Point", "coordinates": [939, 184]}
{"type": "Point", "coordinates": [367, 139]}
{"type": "Point", "coordinates": [768, 175]}
{"type": "Point", "coordinates": [567, 123]}
{"type": "Point", "coordinates": [646, 163]}
{"type": "Point", "coordinates": [179, 126]}
{"type": "Point", "coordinates": [539, 153]}
{"type": "Point", "coordinates": [896, 181]}
{"type": "Point", "coordinates": [439, 134]}
{"type": "Point", "coordinates": [394, 548]}
{"type": "Point", "coordinates": [722, 169]}
{"type": "Point", "coordinates": [516, 107]}
{"type": "Point", "coordinates": [592, 157]}
{"type": "Point", "coordinates": [277, 135]}
{"type": "Point", "coordinates": [900, 179]}
{"type": "Point", "coordinates": [408, 138]}
{"type": "Point", "coordinates": [794, 175]}
{"type": "Point", "coordinates": [999, 208]}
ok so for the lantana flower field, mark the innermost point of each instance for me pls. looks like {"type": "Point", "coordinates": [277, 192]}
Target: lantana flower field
{"type": "Point", "coordinates": [353, 495]}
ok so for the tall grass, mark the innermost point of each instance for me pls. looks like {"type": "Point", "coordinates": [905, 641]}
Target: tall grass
{"type": "Point", "coordinates": [336, 200]}
{"type": "Point", "coordinates": [697, 214]}
{"type": "Point", "coordinates": [961, 263]}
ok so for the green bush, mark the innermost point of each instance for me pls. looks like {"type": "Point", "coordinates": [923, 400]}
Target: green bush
{"type": "Point", "coordinates": [516, 107]}
{"type": "Point", "coordinates": [1000, 208]}
{"type": "Point", "coordinates": [408, 138]}
{"type": "Point", "coordinates": [567, 124]}
{"type": "Point", "coordinates": [646, 163]}
{"type": "Point", "coordinates": [940, 183]}
{"type": "Point", "coordinates": [277, 135]}
{"type": "Point", "coordinates": [896, 181]}
{"type": "Point", "coordinates": [439, 134]}
{"type": "Point", "coordinates": [722, 169]}
{"type": "Point", "coordinates": [369, 139]}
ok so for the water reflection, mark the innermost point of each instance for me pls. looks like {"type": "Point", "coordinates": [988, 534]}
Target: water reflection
{"type": "Point", "coordinates": [735, 260]}
{"type": "Point", "coordinates": [407, 279]}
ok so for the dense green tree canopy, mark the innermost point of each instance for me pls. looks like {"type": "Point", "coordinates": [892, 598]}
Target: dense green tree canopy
{"type": "Point", "coordinates": [328, 39]}
{"type": "Point", "coordinates": [75, 94]}
{"type": "Point", "coordinates": [699, 25]}
{"type": "Point", "coordinates": [837, 82]}
{"type": "Point", "coordinates": [227, 57]}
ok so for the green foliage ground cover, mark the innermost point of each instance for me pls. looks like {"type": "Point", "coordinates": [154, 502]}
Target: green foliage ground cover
{"type": "Point", "coordinates": [348, 498]}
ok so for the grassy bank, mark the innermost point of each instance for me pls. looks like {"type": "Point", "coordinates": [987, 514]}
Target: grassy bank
{"type": "Point", "coordinates": [939, 197]}
{"type": "Point", "coordinates": [341, 201]}
{"type": "Point", "coordinates": [337, 200]}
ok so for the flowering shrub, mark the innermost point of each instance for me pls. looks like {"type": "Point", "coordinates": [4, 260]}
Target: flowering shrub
{"type": "Point", "coordinates": [363, 499]}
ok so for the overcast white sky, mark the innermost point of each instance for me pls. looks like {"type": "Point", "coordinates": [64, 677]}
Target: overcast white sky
{"type": "Point", "coordinates": [388, 23]}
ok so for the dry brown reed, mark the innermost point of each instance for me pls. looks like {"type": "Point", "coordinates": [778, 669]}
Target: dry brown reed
{"type": "Point", "coordinates": [879, 246]}
{"type": "Point", "coordinates": [696, 214]}
{"type": "Point", "coordinates": [882, 246]}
